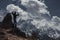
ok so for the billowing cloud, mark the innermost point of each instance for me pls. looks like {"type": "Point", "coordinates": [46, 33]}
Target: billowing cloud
{"type": "Point", "coordinates": [12, 8]}
{"type": "Point", "coordinates": [22, 14]}
{"type": "Point", "coordinates": [35, 6]}
{"type": "Point", "coordinates": [33, 16]}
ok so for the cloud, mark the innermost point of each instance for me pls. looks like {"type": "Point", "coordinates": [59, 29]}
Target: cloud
{"type": "Point", "coordinates": [22, 14]}
{"type": "Point", "coordinates": [12, 7]}
{"type": "Point", "coordinates": [35, 6]}
{"type": "Point", "coordinates": [45, 25]}
{"type": "Point", "coordinates": [35, 10]}
{"type": "Point", "coordinates": [56, 22]}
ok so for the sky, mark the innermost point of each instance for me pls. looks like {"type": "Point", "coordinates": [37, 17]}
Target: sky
{"type": "Point", "coordinates": [34, 12]}
{"type": "Point", "coordinates": [53, 5]}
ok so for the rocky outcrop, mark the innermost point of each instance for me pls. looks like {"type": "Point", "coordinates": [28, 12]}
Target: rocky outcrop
{"type": "Point", "coordinates": [7, 22]}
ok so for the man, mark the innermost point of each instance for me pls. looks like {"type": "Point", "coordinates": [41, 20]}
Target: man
{"type": "Point", "coordinates": [14, 14]}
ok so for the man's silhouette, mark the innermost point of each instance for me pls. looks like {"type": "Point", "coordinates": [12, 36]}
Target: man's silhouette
{"type": "Point", "coordinates": [15, 29]}
{"type": "Point", "coordinates": [14, 18]}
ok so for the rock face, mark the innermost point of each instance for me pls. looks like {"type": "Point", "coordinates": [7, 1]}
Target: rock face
{"type": "Point", "coordinates": [7, 22]}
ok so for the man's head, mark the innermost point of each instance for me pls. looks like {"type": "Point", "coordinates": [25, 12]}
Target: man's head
{"type": "Point", "coordinates": [14, 12]}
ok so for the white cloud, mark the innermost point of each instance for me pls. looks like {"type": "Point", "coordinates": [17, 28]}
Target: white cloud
{"type": "Point", "coordinates": [35, 6]}
{"type": "Point", "coordinates": [35, 10]}
{"type": "Point", "coordinates": [22, 14]}
{"type": "Point", "coordinates": [45, 25]}
{"type": "Point", "coordinates": [39, 23]}
{"type": "Point", "coordinates": [12, 7]}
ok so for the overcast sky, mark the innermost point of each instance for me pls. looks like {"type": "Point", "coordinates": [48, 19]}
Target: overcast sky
{"type": "Point", "coordinates": [53, 5]}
